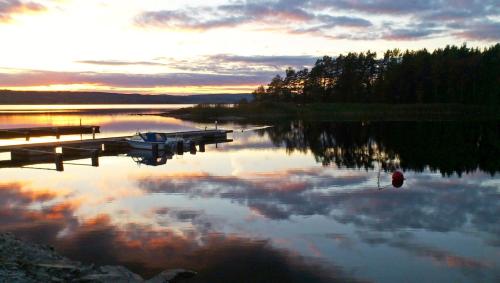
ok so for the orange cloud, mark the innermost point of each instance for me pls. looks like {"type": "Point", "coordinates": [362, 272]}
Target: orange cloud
{"type": "Point", "coordinates": [10, 8]}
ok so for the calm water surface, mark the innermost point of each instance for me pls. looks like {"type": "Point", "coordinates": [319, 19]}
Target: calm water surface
{"type": "Point", "coordinates": [298, 202]}
{"type": "Point", "coordinates": [58, 108]}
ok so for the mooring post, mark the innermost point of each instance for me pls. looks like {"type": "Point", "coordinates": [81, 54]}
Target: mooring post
{"type": "Point", "coordinates": [192, 148]}
{"type": "Point", "coordinates": [58, 136]}
{"type": "Point", "coordinates": [180, 147]}
{"type": "Point", "coordinates": [95, 158]}
{"type": "Point", "coordinates": [27, 134]}
{"type": "Point", "coordinates": [154, 150]}
{"type": "Point", "coordinates": [59, 162]}
{"type": "Point", "coordinates": [202, 147]}
{"type": "Point", "coordinates": [93, 133]}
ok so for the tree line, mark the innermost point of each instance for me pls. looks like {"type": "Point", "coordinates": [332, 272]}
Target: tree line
{"type": "Point", "coordinates": [447, 75]}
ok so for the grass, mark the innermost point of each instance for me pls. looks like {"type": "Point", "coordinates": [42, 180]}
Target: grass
{"type": "Point", "coordinates": [338, 111]}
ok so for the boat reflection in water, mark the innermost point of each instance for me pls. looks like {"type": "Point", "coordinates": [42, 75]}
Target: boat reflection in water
{"type": "Point", "coordinates": [146, 157]}
{"type": "Point", "coordinates": [160, 157]}
{"type": "Point", "coordinates": [33, 158]}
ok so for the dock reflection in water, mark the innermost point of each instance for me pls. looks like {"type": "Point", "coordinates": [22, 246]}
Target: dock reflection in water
{"type": "Point", "coordinates": [33, 155]}
{"type": "Point", "coordinates": [294, 203]}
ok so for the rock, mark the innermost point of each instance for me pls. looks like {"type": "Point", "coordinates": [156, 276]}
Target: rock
{"type": "Point", "coordinates": [168, 276]}
{"type": "Point", "coordinates": [25, 263]}
{"type": "Point", "coordinates": [118, 274]}
{"type": "Point", "coordinates": [60, 266]}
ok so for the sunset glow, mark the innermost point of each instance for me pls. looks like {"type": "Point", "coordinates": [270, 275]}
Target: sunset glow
{"type": "Point", "coordinates": [216, 46]}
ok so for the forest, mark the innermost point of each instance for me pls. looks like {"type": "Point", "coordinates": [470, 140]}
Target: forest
{"type": "Point", "coordinates": [453, 74]}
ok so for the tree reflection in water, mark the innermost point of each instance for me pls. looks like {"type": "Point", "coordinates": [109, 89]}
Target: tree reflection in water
{"type": "Point", "coordinates": [447, 147]}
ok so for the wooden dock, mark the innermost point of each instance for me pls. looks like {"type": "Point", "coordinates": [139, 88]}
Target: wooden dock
{"type": "Point", "coordinates": [202, 134]}
{"type": "Point", "coordinates": [97, 143]}
{"type": "Point", "coordinates": [56, 131]}
{"type": "Point", "coordinates": [39, 153]}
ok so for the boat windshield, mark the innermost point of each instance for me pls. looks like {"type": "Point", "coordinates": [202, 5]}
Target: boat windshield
{"type": "Point", "coordinates": [153, 137]}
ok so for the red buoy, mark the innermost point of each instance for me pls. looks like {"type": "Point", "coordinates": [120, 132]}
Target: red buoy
{"type": "Point", "coordinates": [398, 179]}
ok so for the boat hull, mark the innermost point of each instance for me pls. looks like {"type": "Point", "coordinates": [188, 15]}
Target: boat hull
{"type": "Point", "coordinates": [145, 145]}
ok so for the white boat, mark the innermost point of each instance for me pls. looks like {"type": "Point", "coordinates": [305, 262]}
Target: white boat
{"type": "Point", "coordinates": [147, 140]}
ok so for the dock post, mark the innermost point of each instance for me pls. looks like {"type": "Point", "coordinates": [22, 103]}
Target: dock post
{"type": "Point", "coordinates": [192, 148]}
{"type": "Point", "coordinates": [202, 147]}
{"type": "Point", "coordinates": [95, 158]}
{"type": "Point", "coordinates": [58, 158]}
{"type": "Point", "coordinates": [93, 133]}
{"type": "Point", "coordinates": [27, 134]}
{"type": "Point", "coordinates": [58, 136]}
{"type": "Point", "coordinates": [180, 147]}
{"type": "Point", "coordinates": [154, 150]}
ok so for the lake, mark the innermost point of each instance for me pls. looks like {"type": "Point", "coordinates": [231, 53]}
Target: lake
{"type": "Point", "coordinates": [296, 202]}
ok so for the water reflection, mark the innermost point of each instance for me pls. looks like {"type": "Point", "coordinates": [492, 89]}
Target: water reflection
{"type": "Point", "coordinates": [447, 147]}
{"type": "Point", "coordinates": [297, 203]}
{"type": "Point", "coordinates": [146, 157]}
{"type": "Point", "coordinates": [282, 195]}
{"type": "Point", "coordinates": [216, 256]}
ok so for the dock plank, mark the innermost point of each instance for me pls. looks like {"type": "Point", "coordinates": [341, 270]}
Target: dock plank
{"type": "Point", "coordinates": [10, 133]}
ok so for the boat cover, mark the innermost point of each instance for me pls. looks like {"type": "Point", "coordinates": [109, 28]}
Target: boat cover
{"type": "Point", "coordinates": [153, 137]}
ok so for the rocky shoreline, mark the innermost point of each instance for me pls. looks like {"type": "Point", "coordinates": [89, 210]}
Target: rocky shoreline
{"type": "Point", "coordinates": [27, 262]}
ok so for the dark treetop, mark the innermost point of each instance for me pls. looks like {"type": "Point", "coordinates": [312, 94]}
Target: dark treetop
{"type": "Point", "coordinates": [450, 75]}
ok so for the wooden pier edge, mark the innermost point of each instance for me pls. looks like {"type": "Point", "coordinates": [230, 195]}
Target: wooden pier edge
{"type": "Point", "coordinates": [91, 148]}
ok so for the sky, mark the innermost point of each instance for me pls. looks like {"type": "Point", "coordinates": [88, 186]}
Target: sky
{"type": "Point", "coordinates": [215, 46]}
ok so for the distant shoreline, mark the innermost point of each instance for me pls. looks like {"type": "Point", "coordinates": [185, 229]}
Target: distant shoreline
{"type": "Point", "coordinates": [8, 97]}
{"type": "Point", "coordinates": [338, 112]}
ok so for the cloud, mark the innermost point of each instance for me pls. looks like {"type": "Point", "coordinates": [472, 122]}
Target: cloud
{"type": "Point", "coordinates": [406, 241]}
{"type": "Point", "coordinates": [282, 195]}
{"type": "Point", "coordinates": [213, 70]}
{"type": "Point", "coordinates": [276, 195]}
{"type": "Point", "coordinates": [387, 217]}
{"type": "Point", "coordinates": [330, 22]}
{"type": "Point", "coordinates": [284, 14]}
{"type": "Point", "coordinates": [339, 19]}
{"type": "Point", "coordinates": [184, 20]}
{"type": "Point", "coordinates": [426, 206]}
{"type": "Point", "coordinates": [445, 15]}
{"type": "Point", "coordinates": [41, 78]}
{"type": "Point", "coordinates": [379, 6]}
{"type": "Point", "coordinates": [432, 9]}
{"type": "Point", "coordinates": [120, 63]}
{"type": "Point", "coordinates": [9, 8]}
{"type": "Point", "coordinates": [231, 63]}
{"type": "Point", "coordinates": [489, 31]}
{"type": "Point", "coordinates": [408, 34]}
{"type": "Point", "coordinates": [270, 61]}
{"type": "Point", "coordinates": [440, 256]}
